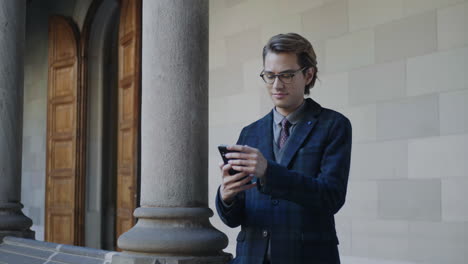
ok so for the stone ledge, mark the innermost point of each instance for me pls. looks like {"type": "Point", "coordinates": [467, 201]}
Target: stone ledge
{"type": "Point", "coordinates": [15, 250]}
{"type": "Point", "coordinates": [124, 258]}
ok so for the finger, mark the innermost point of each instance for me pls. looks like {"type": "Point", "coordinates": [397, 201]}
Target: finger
{"type": "Point", "coordinates": [248, 149]}
{"type": "Point", "coordinates": [242, 148]}
{"type": "Point", "coordinates": [225, 169]}
{"type": "Point", "coordinates": [243, 162]}
{"type": "Point", "coordinates": [234, 178]}
{"type": "Point", "coordinates": [239, 183]}
{"type": "Point", "coordinates": [221, 165]}
{"type": "Point", "coordinates": [246, 169]}
{"type": "Point", "coordinates": [246, 180]}
{"type": "Point", "coordinates": [238, 176]}
{"type": "Point", "coordinates": [235, 147]}
{"type": "Point", "coordinates": [240, 155]}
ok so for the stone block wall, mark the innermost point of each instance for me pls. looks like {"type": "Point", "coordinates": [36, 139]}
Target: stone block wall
{"type": "Point", "coordinates": [398, 69]}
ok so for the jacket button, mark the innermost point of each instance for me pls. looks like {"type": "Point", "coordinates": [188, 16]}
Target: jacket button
{"type": "Point", "coordinates": [265, 233]}
{"type": "Point", "coordinates": [274, 202]}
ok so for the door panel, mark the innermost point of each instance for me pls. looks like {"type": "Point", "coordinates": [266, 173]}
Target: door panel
{"type": "Point", "coordinates": [64, 182]}
{"type": "Point", "coordinates": [128, 113]}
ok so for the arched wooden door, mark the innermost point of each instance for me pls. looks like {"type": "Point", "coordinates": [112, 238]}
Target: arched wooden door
{"type": "Point", "coordinates": [128, 113]}
{"type": "Point", "coordinates": [64, 177]}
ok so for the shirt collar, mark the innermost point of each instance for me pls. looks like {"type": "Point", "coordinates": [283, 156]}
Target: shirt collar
{"type": "Point", "coordinates": [293, 117]}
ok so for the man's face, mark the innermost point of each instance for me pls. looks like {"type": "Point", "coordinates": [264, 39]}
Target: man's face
{"type": "Point", "coordinates": [287, 97]}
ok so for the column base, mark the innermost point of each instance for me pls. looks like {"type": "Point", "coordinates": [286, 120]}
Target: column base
{"type": "Point", "coordinates": [23, 234]}
{"type": "Point", "coordinates": [175, 234]}
{"type": "Point", "coordinates": [125, 258]}
{"type": "Point", "coordinates": [13, 222]}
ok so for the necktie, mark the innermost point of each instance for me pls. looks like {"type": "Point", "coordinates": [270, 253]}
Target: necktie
{"type": "Point", "coordinates": [284, 134]}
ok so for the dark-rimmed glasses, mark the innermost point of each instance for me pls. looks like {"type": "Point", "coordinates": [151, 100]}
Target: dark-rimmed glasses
{"type": "Point", "coordinates": [284, 77]}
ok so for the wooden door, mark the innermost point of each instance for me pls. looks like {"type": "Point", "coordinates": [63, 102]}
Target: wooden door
{"type": "Point", "coordinates": [64, 177]}
{"type": "Point", "coordinates": [128, 113]}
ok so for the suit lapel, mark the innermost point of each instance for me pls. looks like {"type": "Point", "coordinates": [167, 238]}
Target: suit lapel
{"type": "Point", "coordinates": [265, 133]}
{"type": "Point", "coordinates": [301, 132]}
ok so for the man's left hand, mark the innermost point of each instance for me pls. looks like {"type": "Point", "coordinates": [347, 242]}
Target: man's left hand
{"type": "Point", "coordinates": [247, 159]}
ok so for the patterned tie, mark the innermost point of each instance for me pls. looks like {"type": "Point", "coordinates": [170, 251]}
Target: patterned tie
{"type": "Point", "coordinates": [284, 134]}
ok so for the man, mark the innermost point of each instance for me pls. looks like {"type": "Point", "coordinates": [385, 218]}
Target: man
{"type": "Point", "coordinates": [296, 160]}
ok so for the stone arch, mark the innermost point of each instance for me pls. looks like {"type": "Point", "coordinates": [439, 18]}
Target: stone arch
{"type": "Point", "coordinates": [101, 81]}
{"type": "Point", "coordinates": [80, 12]}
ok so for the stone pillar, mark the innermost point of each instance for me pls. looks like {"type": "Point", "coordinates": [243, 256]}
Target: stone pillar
{"type": "Point", "coordinates": [12, 40]}
{"type": "Point", "coordinates": [173, 217]}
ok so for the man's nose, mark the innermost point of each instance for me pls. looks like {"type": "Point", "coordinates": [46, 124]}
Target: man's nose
{"type": "Point", "coordinates": [278, 83]}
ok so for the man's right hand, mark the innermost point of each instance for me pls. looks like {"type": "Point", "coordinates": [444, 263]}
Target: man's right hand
{"type": "Point", "coordinates": [232, 185]}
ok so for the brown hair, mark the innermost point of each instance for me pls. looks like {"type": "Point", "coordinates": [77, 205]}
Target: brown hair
{"type": "Point", "coordinates": [297, 44]}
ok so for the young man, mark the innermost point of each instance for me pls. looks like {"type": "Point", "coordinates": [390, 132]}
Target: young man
{"type": "Point", "coordinates": [296, 160]}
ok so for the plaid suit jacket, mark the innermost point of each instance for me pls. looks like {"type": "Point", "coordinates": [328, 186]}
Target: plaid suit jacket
{"type": "Point", "coordinates": [295, 207]}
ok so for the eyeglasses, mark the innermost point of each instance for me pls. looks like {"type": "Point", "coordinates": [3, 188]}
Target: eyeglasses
{"type": "Point", "coordinates": [285, 77]}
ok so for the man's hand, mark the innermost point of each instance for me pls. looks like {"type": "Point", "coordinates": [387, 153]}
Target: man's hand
{"type": "Point", "coordinates": [232, 184]}
{"type": "Point", "coordinates": [247, 159]}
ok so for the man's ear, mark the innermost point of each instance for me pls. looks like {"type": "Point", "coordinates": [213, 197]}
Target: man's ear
{"type": "Point", "coordinates": [310, 72]}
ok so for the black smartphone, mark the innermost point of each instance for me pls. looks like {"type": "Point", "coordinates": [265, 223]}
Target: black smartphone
{"type": "Point", "coordinates": [223, 151]}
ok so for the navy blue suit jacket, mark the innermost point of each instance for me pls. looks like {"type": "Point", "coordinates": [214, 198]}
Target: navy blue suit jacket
{"type": "Point", "coordinates": [295, 207]}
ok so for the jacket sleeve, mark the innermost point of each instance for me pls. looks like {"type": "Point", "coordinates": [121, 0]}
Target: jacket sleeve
{"type": "Point", "coordinates": [233, 214]}
{"type": "Point", "coordinates": [325, 191]}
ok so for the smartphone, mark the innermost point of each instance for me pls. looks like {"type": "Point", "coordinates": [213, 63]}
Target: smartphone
{"type": "Point", "coordinates": [223, 151]}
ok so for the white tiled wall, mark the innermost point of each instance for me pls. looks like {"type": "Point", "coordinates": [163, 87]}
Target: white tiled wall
{"type": "Point", "coordinates": [407, 37]}
{"type": "Point", "coordinates": [416, 116]}
{"type": "Point", "coordinates": [438, 157]}
{"type": "Point", "coordinates": [399, 70]}
{"type": "Point", "coordinates": [451, 104]}
{"type": "Point", "coordinates": [454, 197]}
{"type": "Point", "coordinates": [350, 51]}
{"type": "Point", "coordinates": [369, 13]}
{"type": "Point", "coordinates": [438, 72]}
{"type": "Point", "coordinates": [452, 23]}
{"type": "Point", "coordinates": [386, 160]}
{"type": "Point", "coordinates": [378, 82]}
{"type": "Point", "coordinates": [332, 90]}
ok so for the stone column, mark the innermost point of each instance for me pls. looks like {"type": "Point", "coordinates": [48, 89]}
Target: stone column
{"type": "Point", "coordinates": [173, 217]}
{"type": "Point", "coordinates": [12, 40]}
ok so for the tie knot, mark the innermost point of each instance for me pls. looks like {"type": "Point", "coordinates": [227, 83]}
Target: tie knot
{"type": "Point", "coordinates": [285, 124]}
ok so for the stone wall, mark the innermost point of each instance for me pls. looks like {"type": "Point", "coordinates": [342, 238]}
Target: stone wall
{"type": "Point", "coordinates": [397, 69]}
